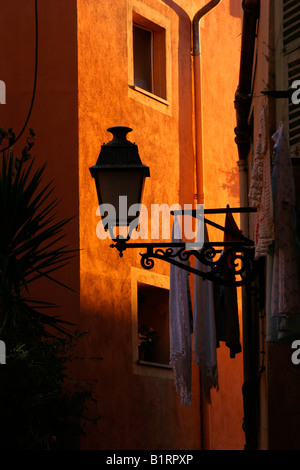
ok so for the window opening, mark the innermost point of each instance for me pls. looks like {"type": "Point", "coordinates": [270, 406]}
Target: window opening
{"type": "Point", "coordinates": [143, 58]}
{"type": "Point", "coordinates": [149, 56]}
{"type": "Point", "coordinates": [153, 324]}
{"type": "Point", "coordinates": [288, 68]}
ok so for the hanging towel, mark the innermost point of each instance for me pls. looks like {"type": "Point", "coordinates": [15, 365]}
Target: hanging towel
{"type": "Point", "coordinates": [260, 193]}
{"type": "Point", "coordinates": [285, 281]}
{"type": "Point", "coordinates": [225, 298]}
{"type": "Point", "coordinates": [180, 325]}
{"type": "Point", "coordinates": [204, 337]}
{"type": "Point", "coordinates": [279, 329]}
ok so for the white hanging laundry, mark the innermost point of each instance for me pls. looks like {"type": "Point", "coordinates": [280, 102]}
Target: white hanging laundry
{"type": "Point", "coordinates": [204, 329]}
{"type": "Point", "coordinates": [285, 281]}
{"type": "Point", "coordinates": [260, 192]}
{"type": "Point", "coordinates": [180, 329]}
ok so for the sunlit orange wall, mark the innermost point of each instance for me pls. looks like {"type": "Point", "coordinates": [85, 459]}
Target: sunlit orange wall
{"type": "Point", "coordinates": [137, 411]}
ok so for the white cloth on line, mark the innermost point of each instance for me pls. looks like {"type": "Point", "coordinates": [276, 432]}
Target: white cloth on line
{"type": "Point", "coordinates": [179, 324]}
{"type": "Point", "coordinates": [204, 328]}
{"type": "Point", "coordinates": [285, 279]}
{"type": "Point", "coordinates": [260, 192]}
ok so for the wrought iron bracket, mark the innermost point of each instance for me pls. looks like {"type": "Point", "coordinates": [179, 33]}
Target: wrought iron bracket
{"type": "Point", "coordinates": [226, 263]}
{"type": "Point", "coordinates": [278, 93]}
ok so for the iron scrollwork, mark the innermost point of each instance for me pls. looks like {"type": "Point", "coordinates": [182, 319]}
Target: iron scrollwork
{"type": "Point", "coordinates": [234, 265]}
{"type": "Point", "coordinates": [226, 263]}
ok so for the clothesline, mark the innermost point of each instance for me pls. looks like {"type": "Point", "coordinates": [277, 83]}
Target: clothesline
{"type": "Point", "coordinates": [225, 210]}
{"type": "Point", "coordinates": [228, 210]}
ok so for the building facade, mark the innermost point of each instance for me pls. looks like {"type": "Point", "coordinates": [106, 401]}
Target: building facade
{"type": "Point", "coordinates": [169, 74]}
{"type": "Point", "coordinates": [267, 107]}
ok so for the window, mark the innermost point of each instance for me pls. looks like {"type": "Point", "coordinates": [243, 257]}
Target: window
{"type": "Point", "coordinates": [291, 49]}
{"type": "Point", "coordinates": [288, 66]}
{"type": "Point", "coordinates": [149, 56]}
{"type": "Point", "coordinates": [143, 58]}
{"type": "Point", "coordinates": [294, 110]}
{"type": "Point", "coordinates": [150, 316]}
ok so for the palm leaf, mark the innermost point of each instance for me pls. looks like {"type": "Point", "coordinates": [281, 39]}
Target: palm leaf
{"type": "Point", "coordinates": [30, 238]}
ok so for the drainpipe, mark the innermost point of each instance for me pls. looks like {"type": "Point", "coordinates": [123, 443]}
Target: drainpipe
{"type": "Point", "coordinates": [199, 164]}
{"type": "Point", "coordinates": [243, 98]}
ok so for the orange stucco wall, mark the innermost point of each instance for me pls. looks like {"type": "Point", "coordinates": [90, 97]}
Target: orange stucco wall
{"type": "Point", "coordinates": [138, 411]}
{"type": "Point", "coordinates": [82, 89]}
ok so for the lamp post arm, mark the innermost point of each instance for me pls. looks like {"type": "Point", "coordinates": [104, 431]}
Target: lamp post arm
{"type": "Point", "coordinates": [224, 262]}
{"type": "Point", "coordinates": [227, 263]}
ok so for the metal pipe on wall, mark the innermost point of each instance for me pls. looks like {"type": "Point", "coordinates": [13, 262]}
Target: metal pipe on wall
{"type": "Point", "coordinates": [243, 97]}
{"type": "Point", "coordinates": [196, 51]}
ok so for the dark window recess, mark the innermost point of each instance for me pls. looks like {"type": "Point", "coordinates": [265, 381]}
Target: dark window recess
{"type": "Point", "coordinates": [142, 52]}
{"type": "Point", "coordinates": [153, 322]}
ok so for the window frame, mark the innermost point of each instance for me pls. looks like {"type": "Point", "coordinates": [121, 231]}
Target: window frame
{"type": "Point", "coordinates": [140, 276]}
{"type": "Point", "coordinates": [157, 318]}
{"type": "Point", "coordinates": [144, 16]}
{"type": "Point", "coordinates": [158, 57]}
{"type": "Point", "coordinates": [287, 51]}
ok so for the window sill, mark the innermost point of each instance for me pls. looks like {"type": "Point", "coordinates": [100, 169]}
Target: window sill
{"type": "Point", "coordinates": [154, 364]}
{"type": "Point", "coordinates": [150, 95]}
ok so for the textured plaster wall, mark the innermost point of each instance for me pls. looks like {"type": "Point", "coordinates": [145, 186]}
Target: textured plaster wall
{"type": "Point", "coordinates": [137, 411]}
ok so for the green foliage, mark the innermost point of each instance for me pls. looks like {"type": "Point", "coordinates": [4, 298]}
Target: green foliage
{"type": "Point", "coordinates": [40, 407]}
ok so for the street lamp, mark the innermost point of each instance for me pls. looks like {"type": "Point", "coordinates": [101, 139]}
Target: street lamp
{"type": "Point", "coordinates": [120, 172]}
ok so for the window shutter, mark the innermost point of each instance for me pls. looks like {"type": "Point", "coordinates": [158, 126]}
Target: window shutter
{"type": "Point", "coordinates": [291, 62]}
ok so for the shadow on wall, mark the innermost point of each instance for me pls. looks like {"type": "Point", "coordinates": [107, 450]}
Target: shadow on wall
{"type": "Point", "coordinates": [235, 8]}
{"type": "Point", "coordinates": [231, 183]}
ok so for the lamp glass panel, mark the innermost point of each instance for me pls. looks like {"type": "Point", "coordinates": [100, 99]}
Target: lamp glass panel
{"type": "Point", "coordinates": [113, 184]}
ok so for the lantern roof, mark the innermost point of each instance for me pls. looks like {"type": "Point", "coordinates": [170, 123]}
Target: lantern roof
{"type": "Point", "coordinates": [119, 153]}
